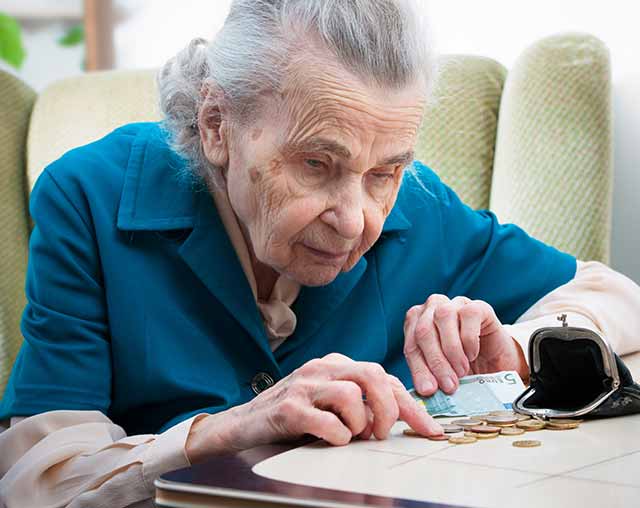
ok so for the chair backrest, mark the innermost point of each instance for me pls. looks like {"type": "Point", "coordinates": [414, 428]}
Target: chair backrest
{"type": "Point", "coordinates": [16, 101]}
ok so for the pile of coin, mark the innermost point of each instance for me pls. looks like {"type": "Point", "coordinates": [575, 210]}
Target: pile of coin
{"type": "Point", "coordinates": [498, 423]}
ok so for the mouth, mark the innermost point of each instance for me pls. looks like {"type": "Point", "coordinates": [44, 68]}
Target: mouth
{"type": "Point", "coordinates": [334, 257]}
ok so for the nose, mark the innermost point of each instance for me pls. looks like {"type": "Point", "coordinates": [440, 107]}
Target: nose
{"type": "Point", "coordinates": [346, 212]}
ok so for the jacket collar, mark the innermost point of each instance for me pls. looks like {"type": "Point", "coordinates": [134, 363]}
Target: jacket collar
{"type": "Point", "coordinates": [158, 192]}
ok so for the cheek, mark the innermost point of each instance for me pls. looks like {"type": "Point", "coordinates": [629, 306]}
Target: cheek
{"type": "Point", "coordinates": [282, 212]}
{"type": "Point", "coordinates": [375, 214]}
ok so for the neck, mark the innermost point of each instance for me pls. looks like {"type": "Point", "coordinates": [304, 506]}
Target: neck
{"type": "Point", "coordinates": [265, 276]}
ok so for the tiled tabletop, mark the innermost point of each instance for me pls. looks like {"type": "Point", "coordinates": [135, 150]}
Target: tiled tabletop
{"type": "Point", "coordinates": [596, 465]}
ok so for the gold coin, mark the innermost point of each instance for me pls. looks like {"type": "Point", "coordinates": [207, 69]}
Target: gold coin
{"type": "Point", "coordinates": [488, 436]}
{"type": "Point", "coordinates": [526, 443]}
{"type": "Point", "coordinates": [471, 434]}
{"type": "Point", "coordinates": [522, 418]}
{"type": "Point", "coordinates": [562, 426]}
{"type": "Point", "coordinates": [462, 440]}
{"type": "Point", "coordinates": [562, 421]}
{"type": "Point", "coordinates": [413, 433]}
{"type": "Point", "coordinates": [485, 429]}
{"type": "Point", "coordinates": [439, 437]}
{"type": "Point", "coordinates": [502, 420]}
{"type": "Point", "coordinates": [511, 431]}
{"type": "Point", "coordinates": [502, 413]}
{"type": "Point", "coordinates": [531, 425]}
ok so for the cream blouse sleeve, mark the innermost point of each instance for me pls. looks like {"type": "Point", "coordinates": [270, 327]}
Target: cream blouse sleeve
{"type": "Point", "coordinates": [597, 298]}
{"type": "Point", "coordinates": [81, 458]}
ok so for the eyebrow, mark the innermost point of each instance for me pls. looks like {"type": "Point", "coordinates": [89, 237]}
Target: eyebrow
{"type": "Point", "coordinates": [331, 146]}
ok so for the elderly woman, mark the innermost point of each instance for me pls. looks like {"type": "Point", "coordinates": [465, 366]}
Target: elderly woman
{"type": "Point", "coordinates": [247, 270]}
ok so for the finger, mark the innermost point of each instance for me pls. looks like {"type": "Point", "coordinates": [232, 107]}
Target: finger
{"type": "Point", "coordinates": [365, 435]}
{"type": "Point", "coordinates": [412, 412]}
{"type": "Point", "coordinates": [428, 340]}
{"type": "Point", "coordinates": [325, 425]}
{"type": "Point", "coordinates": [344, 398]}
{"type": "Point", "coordinates": [471, 317]}
{"type": "Point", "coordinates": [372, 379]}
{"type": "Point", "coordinates": [445, 318]}
{"type": "Point", "coordinates": [423, 380]}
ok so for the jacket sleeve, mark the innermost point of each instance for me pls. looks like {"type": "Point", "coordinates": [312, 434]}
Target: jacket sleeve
{"type": "Point", "coordinates": [81, 458]}
{"type": "Point", "coordinates": [597, 298]}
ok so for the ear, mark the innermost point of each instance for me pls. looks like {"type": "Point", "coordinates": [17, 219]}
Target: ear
{"type": "Point", "coordinates": [213, 123]}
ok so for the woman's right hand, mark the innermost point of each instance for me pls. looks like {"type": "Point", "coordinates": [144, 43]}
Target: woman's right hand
{"type": "Point", "coordinates": [325, 398]}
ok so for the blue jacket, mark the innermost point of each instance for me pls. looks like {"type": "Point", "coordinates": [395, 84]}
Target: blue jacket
{"type": "Point", "coordinates": [138, 306]}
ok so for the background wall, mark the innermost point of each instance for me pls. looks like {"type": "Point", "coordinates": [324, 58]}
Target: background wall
{"type": "Point", "coordinates": [148, 32]}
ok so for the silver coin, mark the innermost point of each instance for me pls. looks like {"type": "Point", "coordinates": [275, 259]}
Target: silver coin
{"type": "Point", "coordinates": [451, 429]}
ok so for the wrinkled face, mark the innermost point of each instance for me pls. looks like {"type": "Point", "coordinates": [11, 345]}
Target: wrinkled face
{"type": "Point", "coordinates": [313, 179]}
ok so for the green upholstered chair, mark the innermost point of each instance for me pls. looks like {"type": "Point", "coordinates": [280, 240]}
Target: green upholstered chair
{"type": "Point", "coordinates": [532, 143]}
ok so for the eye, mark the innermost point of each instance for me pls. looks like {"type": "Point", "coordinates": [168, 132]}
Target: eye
{"type": "Point", "coordinates": [315, 163]}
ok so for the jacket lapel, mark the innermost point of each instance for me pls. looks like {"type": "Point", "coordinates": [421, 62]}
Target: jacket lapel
{"type": "Point", "coordinates": [160, 195]}
{"type": "Point", "coordinates": [210, 254]}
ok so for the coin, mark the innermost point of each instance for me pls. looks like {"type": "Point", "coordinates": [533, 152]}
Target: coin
{"type": "Point", "coordinates": [451, 428]}
{"type": "Point", "coordinates": [485, 429]}
{"type": "Point", "coordinates": [502, 419]}
{"type": "Point", "coordinates": [526, 443]}
{"type": "Point", "coordinates": [562, 421]}
{"type": "Point", "coordinates": [413, 433]}
{"type": "Point", "coordinates": [439, 437]}
{"type": "Point", "coordinates": [470, 422]}
{"type": "Point", "coordinates": [462, 440]}
{"type": "Point", "coordinates": [511, 431]}
{"type": "Point", "coordinates": [501, 413]}
{"type": "Point", "coordinates": [471, 434]}
{"type": "Point", "coordinates": [488, 435]}
{"type": "Point", "coordinates": [562, 426]}
{"type": "Point", "coordinates": [522, 418]}
{"type": "Point", "coordinates": [530, 425]}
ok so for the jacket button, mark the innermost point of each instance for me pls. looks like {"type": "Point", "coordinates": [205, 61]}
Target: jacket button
{"type": "Point", "coordinates": [260, 382]}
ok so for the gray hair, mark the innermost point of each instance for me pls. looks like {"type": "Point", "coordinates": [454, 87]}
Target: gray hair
{"type": "Point", "coordinates": [383, 42]}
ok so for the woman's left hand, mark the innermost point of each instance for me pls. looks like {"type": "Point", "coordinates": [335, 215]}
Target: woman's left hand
{"type": "Point", "coordinates": [445, 340]}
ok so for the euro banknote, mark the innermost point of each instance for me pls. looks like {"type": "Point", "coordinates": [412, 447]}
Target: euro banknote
{"type": "Point", "coordinates": [477, 394]}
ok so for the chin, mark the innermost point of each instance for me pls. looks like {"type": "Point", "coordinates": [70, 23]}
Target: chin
{"type": "Point", "coordinates": [315, 276]}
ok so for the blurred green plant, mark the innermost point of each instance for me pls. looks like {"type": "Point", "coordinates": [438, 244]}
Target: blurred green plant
{"type": "Point", "coordinates": [11, 49]}
{"type": "Point", "coordinates": [73, 37]}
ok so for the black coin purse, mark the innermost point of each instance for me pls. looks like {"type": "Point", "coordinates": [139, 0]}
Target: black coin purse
{"type": "Point", "coordinates": [574, 372]}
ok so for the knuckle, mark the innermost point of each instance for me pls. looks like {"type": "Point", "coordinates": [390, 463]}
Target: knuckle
{"type": "Point", "coordinates": [444, 311]}
{"type": "Point", "coordinates": [289, 410]}
{"type": "Point", "coordinates": [413, 312]}
{"type": "Point", "coordinates": [469, 310]}
{"type": "Point", "coordinates": [439, 364]}
{"type": "Point", "coordinates": [335, 357]}
{"type": "Point", "coordinates": [349, 392]}
{"type": "Point", "coordinates": [436, 298]}
{"type": "Point", "coordinates": [311, 367]}
{"type": "Point", "coordinates": [423, 330]}
{"type": "Point", "coordinates": [410, 347]}
{"type": "Point", "coordinates": [375, 370]}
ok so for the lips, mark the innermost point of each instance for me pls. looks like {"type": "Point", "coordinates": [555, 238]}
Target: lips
{"type": "Point", "coordinates": [328, 255]}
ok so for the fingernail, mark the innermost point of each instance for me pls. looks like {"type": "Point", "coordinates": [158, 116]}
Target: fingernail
{"type": "Point", "coordinates": [437, 428]}
{"type": "Point", "coordinates": [448, 384]}
{"type": "Point", "coordinates": [424, 385]}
